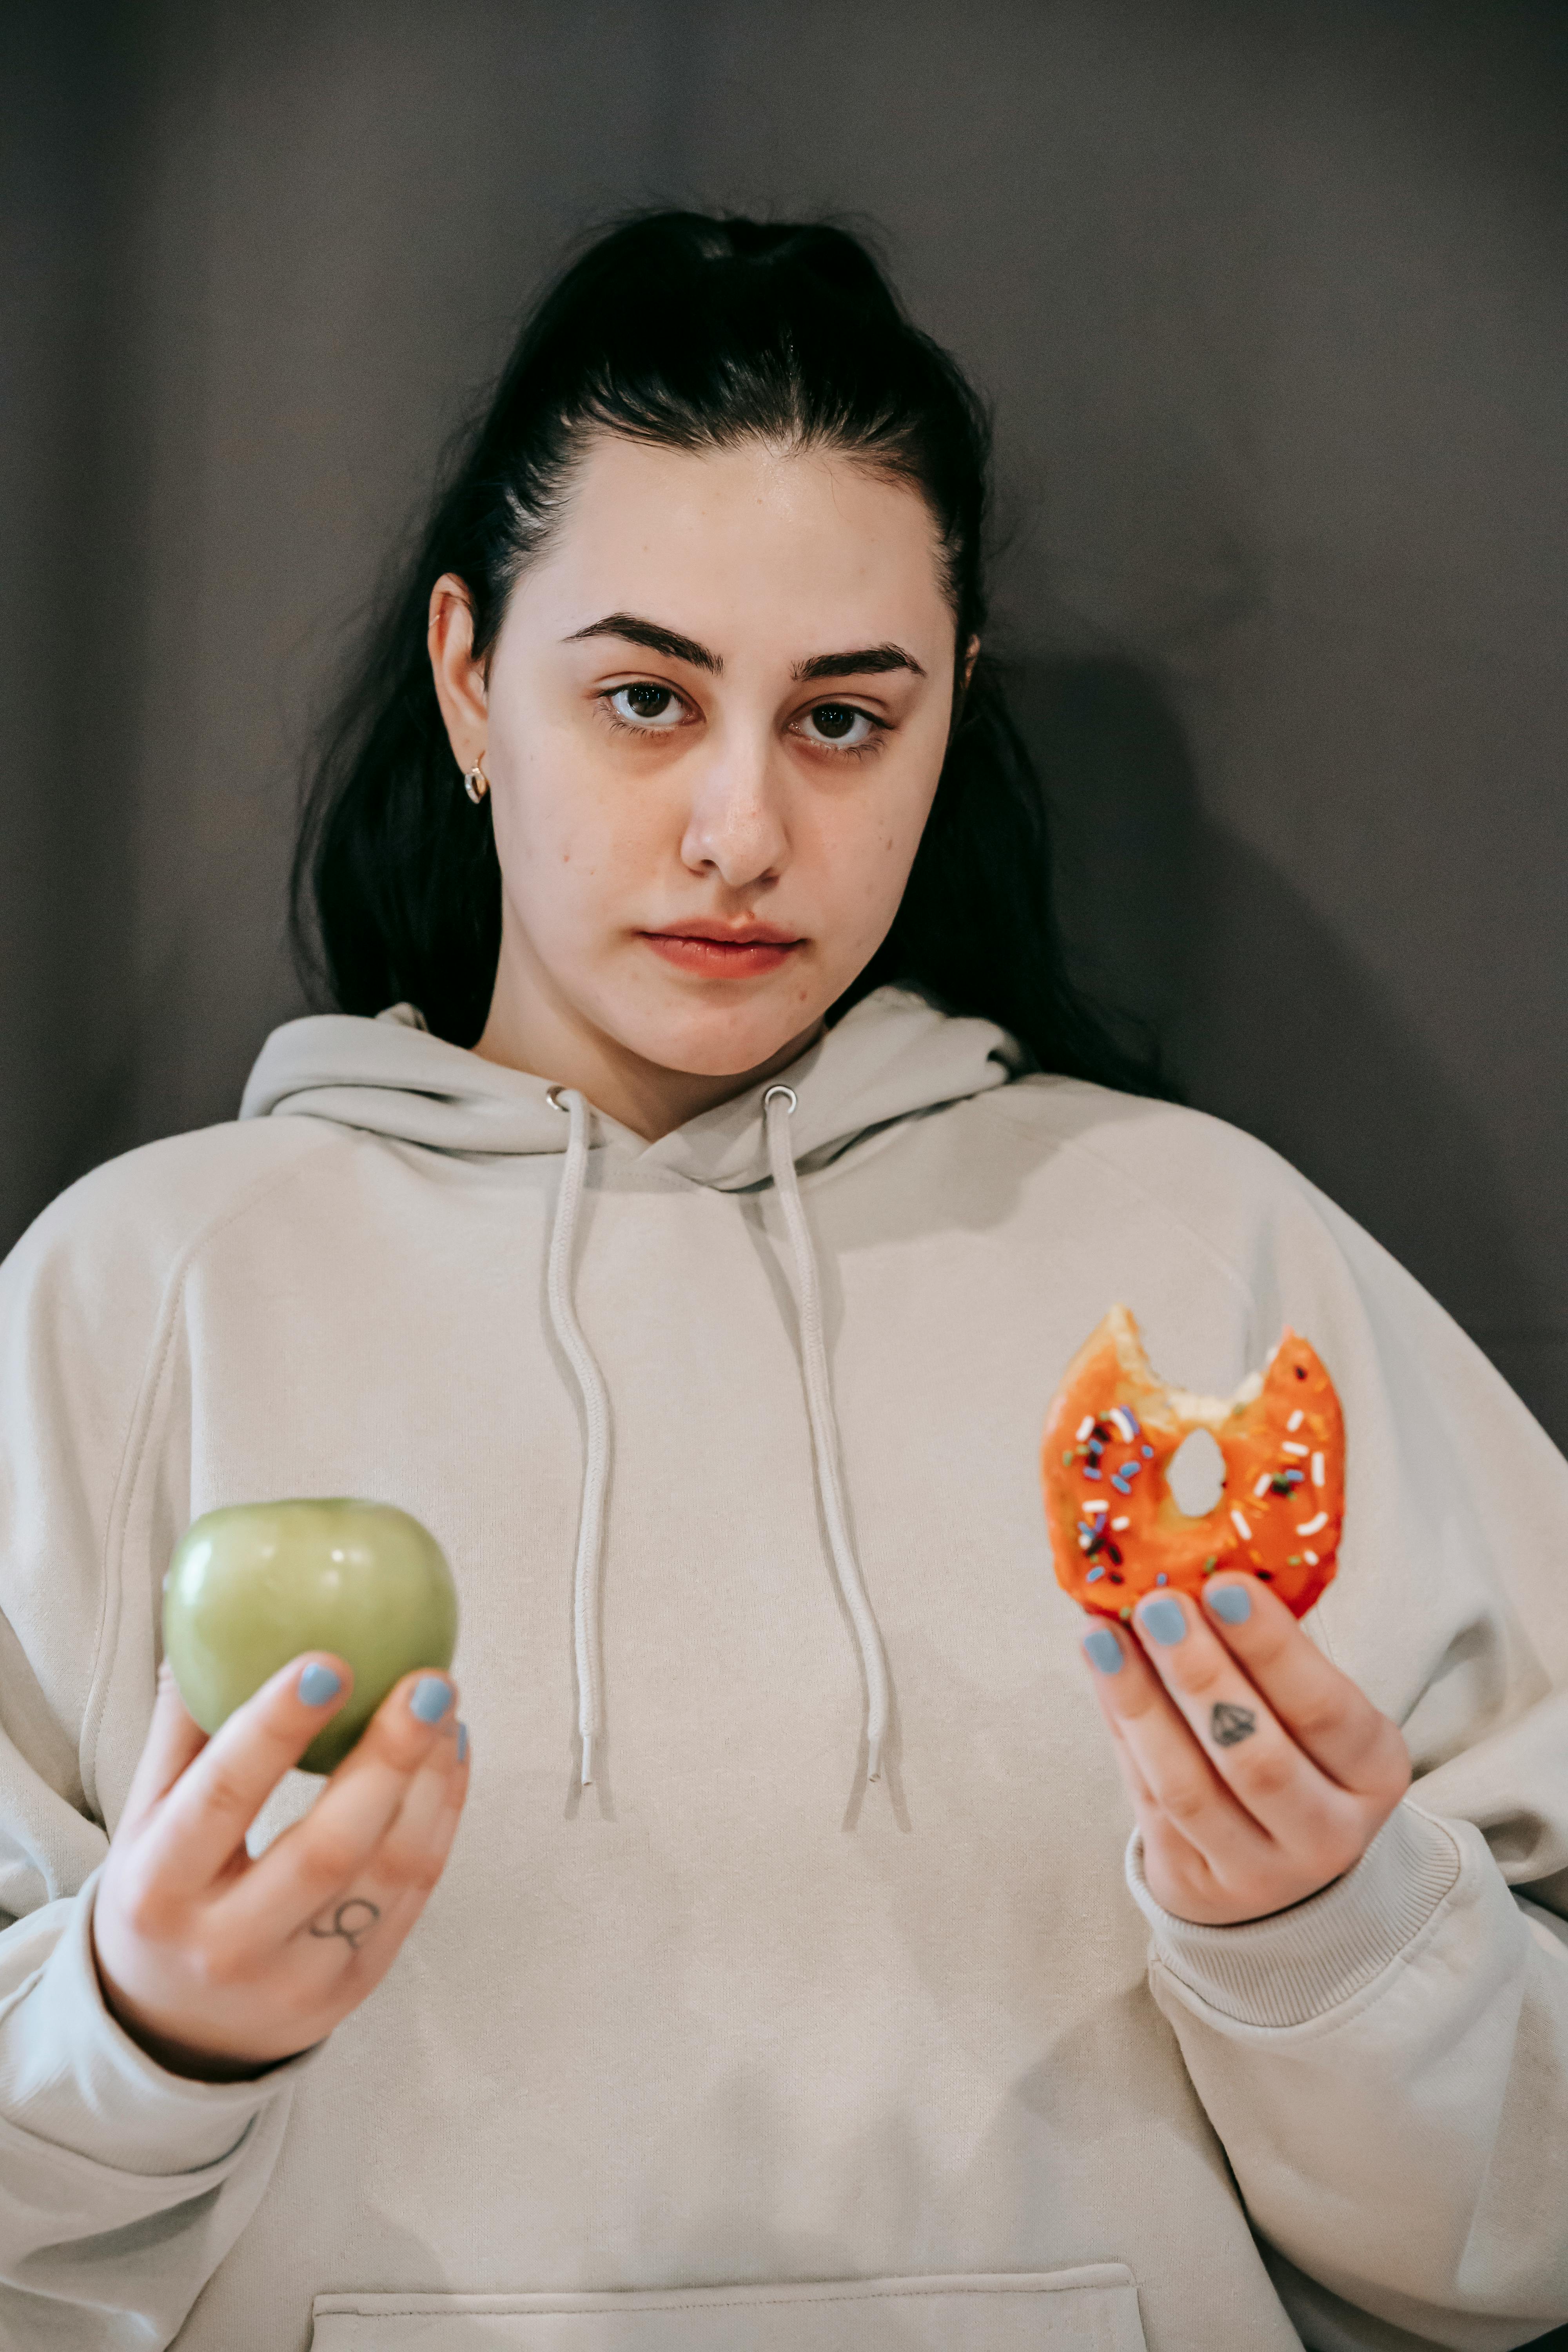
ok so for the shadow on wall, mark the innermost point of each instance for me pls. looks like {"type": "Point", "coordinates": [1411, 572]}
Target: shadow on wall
{"type": "Point", "coordinates": [1265, 1017]}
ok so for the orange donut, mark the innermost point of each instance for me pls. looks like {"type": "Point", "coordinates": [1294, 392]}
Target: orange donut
{"type": "Point", "coordinates": [1116, 1529]}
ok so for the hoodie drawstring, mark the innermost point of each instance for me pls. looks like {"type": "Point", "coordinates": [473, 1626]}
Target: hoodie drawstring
{"type": "Point", "coordinates": [778, 1107]}
{"type": "Point", "coordinates": [596, 1415]}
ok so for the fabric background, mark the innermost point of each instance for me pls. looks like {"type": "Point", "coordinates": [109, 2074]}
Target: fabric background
{"type": "Point", "coordinates": [1270, 303]}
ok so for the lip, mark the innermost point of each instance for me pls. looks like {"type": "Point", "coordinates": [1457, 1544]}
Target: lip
{"type": "Point", "coordinates": [724, 951]}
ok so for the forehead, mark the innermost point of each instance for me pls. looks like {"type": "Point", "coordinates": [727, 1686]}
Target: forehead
{"type": "Point", "coordinates": [752, 549]}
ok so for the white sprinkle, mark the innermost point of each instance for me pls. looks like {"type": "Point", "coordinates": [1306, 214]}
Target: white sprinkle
{"type": "Point", "coordinates": [1119, 1523]}
{"type": "Point", "coordinates": [1123, 1421]}
{"type": "Point", "coordinates": [1286, 1447]}
{"type": "Point", "coordinates": [1086, 1423]}
{"type": "Point", "coordinates": [1242, 1529]}
{"type": "Point", "coordinates": [1311, 1557]}
{"type": "Point", "coordinates": [1311, 1526]}
{"type": "Point", "coordinates": [1317, 1469]}
{"type": "Point", "coordinates": [1296, 1419]}
{"type": "Point", "coordinates": [1262, 1486]}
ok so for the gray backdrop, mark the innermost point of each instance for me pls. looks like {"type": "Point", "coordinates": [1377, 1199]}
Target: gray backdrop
{"type": "Point", "coordinates": [1269, 297]}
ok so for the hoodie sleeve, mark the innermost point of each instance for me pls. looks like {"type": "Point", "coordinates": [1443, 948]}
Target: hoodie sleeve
{"type": "Point", "coordinates": [1387, 2063]}
{"type": "Point", "coordinates": [121, 2187]}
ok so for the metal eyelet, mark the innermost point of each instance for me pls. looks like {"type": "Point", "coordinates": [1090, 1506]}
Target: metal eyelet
{"type": "Point", "coordinates": [553, 1097]}
{"type": "Point", "coordinates": [783, 1094]}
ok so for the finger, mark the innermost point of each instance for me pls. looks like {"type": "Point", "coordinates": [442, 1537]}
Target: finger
{"type": "Point", "coordinates": [202, 1823]}
{"type": "Point", "coordinates": [1156, 1826]}
{"type": "Point", "coordinates": [414, 1852]}
{"type": "Point", "coordinates": [1146, 1812]}
{"type": "Point", "coordinates": [319, 1860]}
{"type": "Point", "coordinates": [364, 1927]}
{"type": "Point", "coordinates": [1330, 1718]}
{"type": "Point", "coordinates": [1109, 1655]}
{"type": "Point", "coordinates": [1183, 1785]}
{"type": "Point", "coordinates": [1210, 1702]}
{"type": "Point", "coordinates": [1105, 1650]}
{"type": "Point", "coordinates": [175, 1739]}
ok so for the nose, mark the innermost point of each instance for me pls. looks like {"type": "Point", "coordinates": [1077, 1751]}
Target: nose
{"type": "Point", "coordinates": [735, 826]}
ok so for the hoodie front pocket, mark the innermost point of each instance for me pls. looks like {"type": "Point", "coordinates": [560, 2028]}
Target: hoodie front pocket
{"type": "Point", "coordinates": [1092, 2307]}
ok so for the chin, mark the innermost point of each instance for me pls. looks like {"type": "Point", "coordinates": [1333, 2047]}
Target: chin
{"type": "Point", "coordinates": [722, 1044]}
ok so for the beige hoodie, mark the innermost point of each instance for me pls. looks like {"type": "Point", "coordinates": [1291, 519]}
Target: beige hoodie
{"type": "Point", "coordinates": [733, 2050]}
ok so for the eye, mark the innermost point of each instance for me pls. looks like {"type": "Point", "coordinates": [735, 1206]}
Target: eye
{"type": "Point", "coordinates": [839, 724]}
{"type": "Point", "coordinates": [647, 708]}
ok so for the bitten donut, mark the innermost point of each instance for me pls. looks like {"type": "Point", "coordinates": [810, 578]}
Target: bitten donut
{"type": "Point", "coordinates": [1116, 1529]}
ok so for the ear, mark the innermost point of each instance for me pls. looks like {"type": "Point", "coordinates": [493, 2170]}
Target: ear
{"type": "Point", "coordinates": [459, 678]}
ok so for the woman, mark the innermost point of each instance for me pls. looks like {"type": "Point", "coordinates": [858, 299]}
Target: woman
{"type": "Point", "coordinates": [693, 1240]}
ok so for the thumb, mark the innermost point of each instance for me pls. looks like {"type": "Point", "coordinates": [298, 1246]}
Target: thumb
{"type": "Point", "coordinates": [175, 1739]}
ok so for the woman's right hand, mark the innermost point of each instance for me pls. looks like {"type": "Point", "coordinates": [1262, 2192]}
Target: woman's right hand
{"type": "Point", "coordinates": [220, 1966]}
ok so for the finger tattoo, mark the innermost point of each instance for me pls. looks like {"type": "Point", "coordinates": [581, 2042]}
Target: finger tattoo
{"type": "Point", "coordinates": [352, 1920]}
{"type": "Point", "coordinates": [1229, 1724]}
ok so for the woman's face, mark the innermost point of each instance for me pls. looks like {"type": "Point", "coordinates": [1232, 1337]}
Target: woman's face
{"type": "Point", "coordinates": [713, 723]}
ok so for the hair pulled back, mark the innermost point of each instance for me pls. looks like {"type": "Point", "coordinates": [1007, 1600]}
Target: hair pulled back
{"type": "Point", "coordinates": [693, 333]}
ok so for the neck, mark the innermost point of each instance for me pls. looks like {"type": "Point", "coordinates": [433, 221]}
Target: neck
{"type": "Point", "coordinates": [530, 1027]}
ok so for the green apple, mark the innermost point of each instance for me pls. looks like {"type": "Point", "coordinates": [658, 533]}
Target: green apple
{"type": "Point", "coordinates": [251, 1587]}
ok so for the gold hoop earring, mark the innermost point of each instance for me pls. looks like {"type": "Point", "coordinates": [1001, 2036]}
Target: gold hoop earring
{"type": "Point", "coordinates": [475, 784]}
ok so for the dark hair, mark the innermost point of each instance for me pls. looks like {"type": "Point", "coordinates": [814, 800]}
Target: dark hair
{"type": "Point", "coordinates": [693, 333]}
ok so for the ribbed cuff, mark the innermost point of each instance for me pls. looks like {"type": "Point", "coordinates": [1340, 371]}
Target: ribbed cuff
{"type": "Point", "coordinates": [1299, 1964]}
{"type": "Point", "coordinates": [74, 2079]}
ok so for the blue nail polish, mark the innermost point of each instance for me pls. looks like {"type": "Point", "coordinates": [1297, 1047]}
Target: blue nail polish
{"type": "Point", "coordinates": [1233, 1602]}
{"type": "Point", "coordinates": [1104, 1649]}
{"type": "Point", "coordinates": [317, 1684]}
{"type": "Point", "coordinates": [1163, 1620]}
{"type": "Point", "coordinates": [462, 1743]}
{"type": "Point", "coordinates": [432, 1697]}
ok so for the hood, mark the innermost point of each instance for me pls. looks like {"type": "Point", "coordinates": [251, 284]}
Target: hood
{"type": "Point", "coordinates": [891, 1056]}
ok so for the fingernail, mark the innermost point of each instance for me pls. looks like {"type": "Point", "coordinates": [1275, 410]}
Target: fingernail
{"type": "Point", "coordinates": [1104, 1650]}
{"type": "Point", "coordinates": [430, 1698]}
{"type": "Point", "coordinates": [317, 1684]}
{"type": "Point", "coordinates": [1164, 1619]}
{"type": "Point", "coordinates": [1233, 1602]}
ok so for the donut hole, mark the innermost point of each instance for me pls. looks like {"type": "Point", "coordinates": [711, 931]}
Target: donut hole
{"type": "Point", "coordinates": [1196, 1473]}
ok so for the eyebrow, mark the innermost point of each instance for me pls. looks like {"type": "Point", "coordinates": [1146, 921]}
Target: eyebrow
{"type": "Point", "coordinates": [636, 632]}
{"type": "Point", "coordinates": [866, 661]}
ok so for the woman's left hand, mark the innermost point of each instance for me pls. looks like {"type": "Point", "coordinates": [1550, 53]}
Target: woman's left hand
{"type": "Point", "coordinates": [1258, 1772]}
